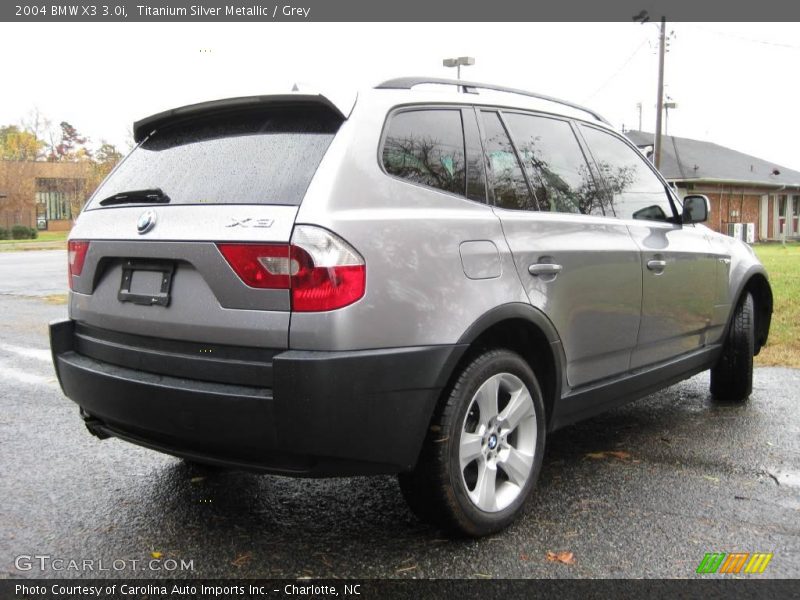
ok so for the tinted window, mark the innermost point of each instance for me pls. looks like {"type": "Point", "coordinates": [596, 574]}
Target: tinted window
{"type": "Point", "coordinates": [555, 164]}
{"type": "Point", "coordinates": [427, 147]}
{"type": "Point", "coordinates": [507, 181]}
{"type": "Point", "coordinates": [267, 157]}
{"type": "Point", "coordinates": [634, 190]}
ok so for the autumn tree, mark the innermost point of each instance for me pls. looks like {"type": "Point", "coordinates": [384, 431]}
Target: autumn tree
{"type": "Point", "coordinates": [17, 144]}
{"type": "Point", "coordinates": [70, 147]}
{"type": "Point", "coordinates": [37, 140]}
{"type": "Point", "coordinates": [104, 160]}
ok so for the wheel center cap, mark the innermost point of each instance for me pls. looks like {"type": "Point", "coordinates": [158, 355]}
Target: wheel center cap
{"type": "Point", "coordinates": [492, 442]}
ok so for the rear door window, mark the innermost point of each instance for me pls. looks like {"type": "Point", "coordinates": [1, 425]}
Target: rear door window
{"type": "Point", "coordinates": [427, 147]}
{"type": "Point", "coordinates": [264, 157]}
{"type": "Point", "coordinates": [633, 190]}
{"type": "Point", "coordinates": [508, 185]}
{"type": "Point", "coordinates": [555, 164]}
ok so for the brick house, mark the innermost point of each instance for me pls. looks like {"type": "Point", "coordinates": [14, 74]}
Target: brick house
{"type": "Point", "coordinates": [742, 188]}
{"type": "Point", "coordinates": [45, 195]}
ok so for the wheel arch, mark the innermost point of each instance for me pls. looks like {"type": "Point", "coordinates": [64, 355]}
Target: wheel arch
{"type": "Point", "coordinates": [523, 329]}
{"type": "Point", "coordinates": [757, 285]}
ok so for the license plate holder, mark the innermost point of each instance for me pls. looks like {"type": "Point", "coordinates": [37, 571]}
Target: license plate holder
{"type": "Point", "coordinates": [156, 293]}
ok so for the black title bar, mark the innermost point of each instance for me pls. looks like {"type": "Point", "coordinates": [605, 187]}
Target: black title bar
{"type": "Point", "coordinates": [400, 11]}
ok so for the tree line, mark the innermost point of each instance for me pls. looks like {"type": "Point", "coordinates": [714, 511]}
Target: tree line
{"type": "Point", "coordinates": [38, 140]}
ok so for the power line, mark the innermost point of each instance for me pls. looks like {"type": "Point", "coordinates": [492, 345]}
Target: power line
{"type": "Point", "coordinates": [617, 72]}
{"type": "Point", "coordinates": [745, 38]}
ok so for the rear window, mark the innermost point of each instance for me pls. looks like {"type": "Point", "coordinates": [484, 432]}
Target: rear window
{"type": "Point", "coordinates": [264, 157]}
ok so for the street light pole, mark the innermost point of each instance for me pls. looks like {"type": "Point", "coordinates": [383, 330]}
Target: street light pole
{"type": "Point", "coordinates": [457, 62]}
{"type": "Point", "coordinates": [660, 97]}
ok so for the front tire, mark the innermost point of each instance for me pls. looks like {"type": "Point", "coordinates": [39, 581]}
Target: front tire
{"type": "Point", "coordinates": [732, 376]}
{"type": "Point", "coordinates": [484, 449]}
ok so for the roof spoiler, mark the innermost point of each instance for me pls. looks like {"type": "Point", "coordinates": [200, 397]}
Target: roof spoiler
{"type": "Point", "coordinates": [146, 126]}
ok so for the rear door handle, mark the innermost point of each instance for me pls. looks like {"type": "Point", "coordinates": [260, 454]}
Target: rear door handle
{"type": "Point", "coordinates": [656, 265]}
{"type": "Point", "coordinates": [544, 269]}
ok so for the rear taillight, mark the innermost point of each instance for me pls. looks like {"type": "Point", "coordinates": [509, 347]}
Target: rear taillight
{"type": "Point", "coordinates": [322, 271]}
{"type": "Point", "coordinates": [76, 255]}
{"type": "Point", "coordinates": [330, 273]}
{"type": "Point", "coordinates": [259, 265]}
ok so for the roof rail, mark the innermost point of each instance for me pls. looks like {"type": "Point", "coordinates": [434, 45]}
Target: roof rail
{"type": "Point", "coordinates": [406, 83]}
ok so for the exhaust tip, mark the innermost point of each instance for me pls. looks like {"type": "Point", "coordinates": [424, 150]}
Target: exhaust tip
{"type": "Point", "coordinates": [95, 426]}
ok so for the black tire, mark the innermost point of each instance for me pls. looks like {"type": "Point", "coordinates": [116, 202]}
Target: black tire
{"type": "Point", "coordinates": [437, 490]}
{"type": "Point", "coordinates": [732, 376]}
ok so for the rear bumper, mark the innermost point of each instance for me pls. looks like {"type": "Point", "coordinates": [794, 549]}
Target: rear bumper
{"type": "Point", "coordinates": [326, 413]}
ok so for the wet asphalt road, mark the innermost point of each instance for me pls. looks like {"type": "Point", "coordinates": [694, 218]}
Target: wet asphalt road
{"type": "Point", "coordinates": [688, 477]}
{"type": "Point", "coordinates": [33, 273]}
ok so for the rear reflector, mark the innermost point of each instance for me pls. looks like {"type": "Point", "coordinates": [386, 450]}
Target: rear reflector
{"type": "Point", "coordinates": [322, 271]}
{"type": "Point", "coordinates": [76, 255]}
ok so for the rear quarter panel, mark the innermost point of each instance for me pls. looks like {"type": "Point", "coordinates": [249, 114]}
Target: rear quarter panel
{"type": "Point", "coordinates": [409, 235]}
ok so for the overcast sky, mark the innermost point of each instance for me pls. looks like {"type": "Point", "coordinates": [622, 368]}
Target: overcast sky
{"type": "Point", "coordinates": [735, 84]}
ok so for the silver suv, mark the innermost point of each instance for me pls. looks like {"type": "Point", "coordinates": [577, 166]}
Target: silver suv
{"type": "Point", "coordinates": [423, 281]}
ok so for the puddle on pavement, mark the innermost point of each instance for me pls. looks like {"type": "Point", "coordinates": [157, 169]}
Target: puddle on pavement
{"type": "Point", "coordinates": [790, 479]}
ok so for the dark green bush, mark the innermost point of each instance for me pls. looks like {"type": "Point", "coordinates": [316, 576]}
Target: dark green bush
{"type": "Point", "coordinates": [20, 232]}
{"type": "Point", "coordinates": [3, 234]}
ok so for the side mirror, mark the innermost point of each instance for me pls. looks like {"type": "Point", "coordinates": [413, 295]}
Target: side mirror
{"type": "Point", "coordinates": [696, 209]}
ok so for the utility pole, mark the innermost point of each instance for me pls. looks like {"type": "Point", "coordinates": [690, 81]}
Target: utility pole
{"type": "Point", "coordinates": [660, 97]}
{"type": "Point", "coordinates": [639, 107]}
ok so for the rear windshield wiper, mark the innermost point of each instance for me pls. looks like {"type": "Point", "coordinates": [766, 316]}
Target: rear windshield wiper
{"type": "Point", "coordinates": [153, 196]}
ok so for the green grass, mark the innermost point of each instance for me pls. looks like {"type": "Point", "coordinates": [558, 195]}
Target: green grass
{"type": "Point", "coordinates": [44, 236]}
{"type": "Point", "coordinates": [783, 265]}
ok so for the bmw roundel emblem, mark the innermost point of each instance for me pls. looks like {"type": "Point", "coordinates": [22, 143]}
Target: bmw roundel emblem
{"type": "Point", "coordinates": [147, 220]}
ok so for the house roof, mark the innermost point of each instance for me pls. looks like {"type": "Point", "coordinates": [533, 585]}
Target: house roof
{"type": "Point", "coordinates": [684, 159]}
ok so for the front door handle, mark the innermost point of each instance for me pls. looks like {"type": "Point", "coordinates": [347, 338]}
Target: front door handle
{"type": "Point", "coordinates": [544, 269]}
{"type": "Point", "coordinates": [656, 265]}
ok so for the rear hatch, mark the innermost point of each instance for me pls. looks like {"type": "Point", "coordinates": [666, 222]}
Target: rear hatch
{"type": "Point", "coordinates": [147, 253]}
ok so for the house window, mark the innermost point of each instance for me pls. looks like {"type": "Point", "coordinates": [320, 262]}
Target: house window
{"type": "Point", "coordinates": [55, 198]}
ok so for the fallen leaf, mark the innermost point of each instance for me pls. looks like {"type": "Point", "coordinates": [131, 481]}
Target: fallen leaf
{"type": "Point", "coordinates": [156, 554]}
{"type": "Point", "coordinates": [710, 478]}
{"type": "Point", "coordinates": [404, 569]}
{"type": "Point", "coordinates": [242, 559]}
{"type": "Point", "coordinates": [567, 558]}
{"type": "Point", "coordinates": [618, 454]}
